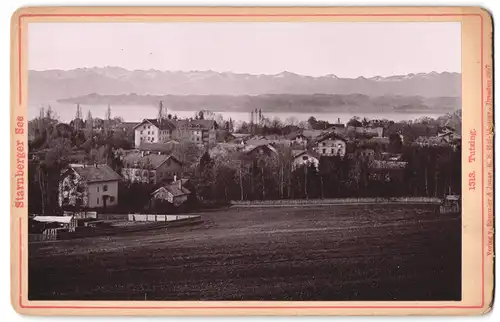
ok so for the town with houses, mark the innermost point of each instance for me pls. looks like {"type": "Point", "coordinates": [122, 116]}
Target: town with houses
{"type": "Point", "coordinates": [169, 165]}
{"type": "Point", "coordinates": [285, 162]}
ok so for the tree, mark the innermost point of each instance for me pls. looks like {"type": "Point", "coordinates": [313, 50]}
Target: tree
{"type": "Point", "coordinates": [50, 113]}
{"type": "Point", "coordinates": [204, 177]}
{"type": "Point", "coordinates": [187, 152]}
{"type": "Point", "coordinates": [117, 120]}
{"type": "Point", "coordinates": [292, 120]}
{"type": "Point", "coordinates": [365, 122]}
{"type": "Point", "coordinates": [108, 121]}
{"type": "Point", "coordinates": [275, 127]}
{"type": "Point", "coordinates": [354, 121]}
{"type": "Point", "coordinates": [48, 173]}
{"type": "Point", "coordinates": [218, 118]}
{"type": "Point", "coordinates": [395, 143]}
{"type": "Point", "coordinates": [89, 125]}
{"type": "Point", "coordinates": [243, 128]}
{"type": "Point", "coordinates": [312, 122]}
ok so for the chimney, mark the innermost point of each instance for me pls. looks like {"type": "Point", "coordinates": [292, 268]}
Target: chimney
{"type": "Point", "coordinates": [180, 184]}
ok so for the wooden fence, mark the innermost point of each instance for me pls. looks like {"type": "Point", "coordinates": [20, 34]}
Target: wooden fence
{"type": "Point", "coordinates": [337, 201]}
{"type": "Point", "coordinates": [155, 218]}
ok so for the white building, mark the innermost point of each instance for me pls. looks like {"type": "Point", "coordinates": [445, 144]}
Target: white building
{"type": "Point", "coordinates": [163, 130]}
{"type": "Point", "coordinates": [304, 157]}
{"type": "Point", "coordinates": [89, 186]}
{"type": "Point", "coordinates": [153, 131]}
{"type": "Point", "coordinates": [330, 145]}
{"type": "Point", "coordinates": [174, 193]}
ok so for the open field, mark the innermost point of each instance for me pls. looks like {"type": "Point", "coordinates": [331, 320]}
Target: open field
{"type": "Point", "coordinates": [290, 253]}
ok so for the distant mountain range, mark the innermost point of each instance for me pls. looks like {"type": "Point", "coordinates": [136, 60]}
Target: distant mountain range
{"type": "Point", "coordinates": [318, 103]}
{"type": "Point", "coordinates": [51, 85]}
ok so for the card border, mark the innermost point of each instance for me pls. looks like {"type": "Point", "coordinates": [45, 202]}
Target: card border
{"type": "Point", "coordinates": [20, 48]}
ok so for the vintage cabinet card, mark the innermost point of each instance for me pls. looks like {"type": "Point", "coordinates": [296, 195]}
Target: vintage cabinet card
{"type": "Point", "coordinates": [252, 161]}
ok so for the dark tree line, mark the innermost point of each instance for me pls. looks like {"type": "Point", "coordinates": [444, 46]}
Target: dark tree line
{"type": "Point", "coordinates": [430, 172]}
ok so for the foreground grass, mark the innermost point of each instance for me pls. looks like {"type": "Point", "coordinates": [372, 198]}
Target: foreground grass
{"type": "Point", "coordinates": [304, 253]}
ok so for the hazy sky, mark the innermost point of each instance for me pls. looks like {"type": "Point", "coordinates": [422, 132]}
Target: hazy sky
{"type": "Point", "coordinates": [343, 49]}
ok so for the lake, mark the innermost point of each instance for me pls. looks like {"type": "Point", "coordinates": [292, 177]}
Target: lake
{"type": "Point", "coordinates": [136, 113]}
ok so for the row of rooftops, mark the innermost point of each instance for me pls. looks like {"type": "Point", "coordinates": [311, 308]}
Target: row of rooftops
{"type": "Point", "coordinates": [444, 136]}
{"type": "Point", "coordinates": [155, 154]}
{"type": "Point", "coordinates": [287, 140]}
{"type": "Point", "coordinates": [104, 173]}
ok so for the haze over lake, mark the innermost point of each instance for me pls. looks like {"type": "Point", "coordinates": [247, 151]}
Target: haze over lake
{"type": "Point", "coordinates": [136, 113]}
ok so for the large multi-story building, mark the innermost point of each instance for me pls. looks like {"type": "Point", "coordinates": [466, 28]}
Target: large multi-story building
{"type": "Point", "coordinates": [150, 168]}
{"type": "Point", "coordinates": [196, 131]}
{"type": "Point", "coordinates": [153, 131]}
{"type": "Point", "coordinates": [164, 130]}
{"type": "Point", "coordinates": [330, 145]}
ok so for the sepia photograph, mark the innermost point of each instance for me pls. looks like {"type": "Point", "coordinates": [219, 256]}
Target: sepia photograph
{"type": "Point", "coordinates": [244, 161]}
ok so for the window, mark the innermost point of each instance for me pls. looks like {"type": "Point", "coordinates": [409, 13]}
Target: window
{"type": "Point", "coordinates": [324, 151]}
{"type": "Point", "coordinates": [97, 189]}
{"type": "Point", "coordinates": [97, 200]}
{"type": "Point", "coordinates": [305, 158]}
{"type": "Point", "coordinates": [148, 132]}
{"type": "Point", "coordinates": [153, 132]}
{"type": "Point", "coordinates": [149, 126]}
{"type": "Point", "coordinates": [105, 187]}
